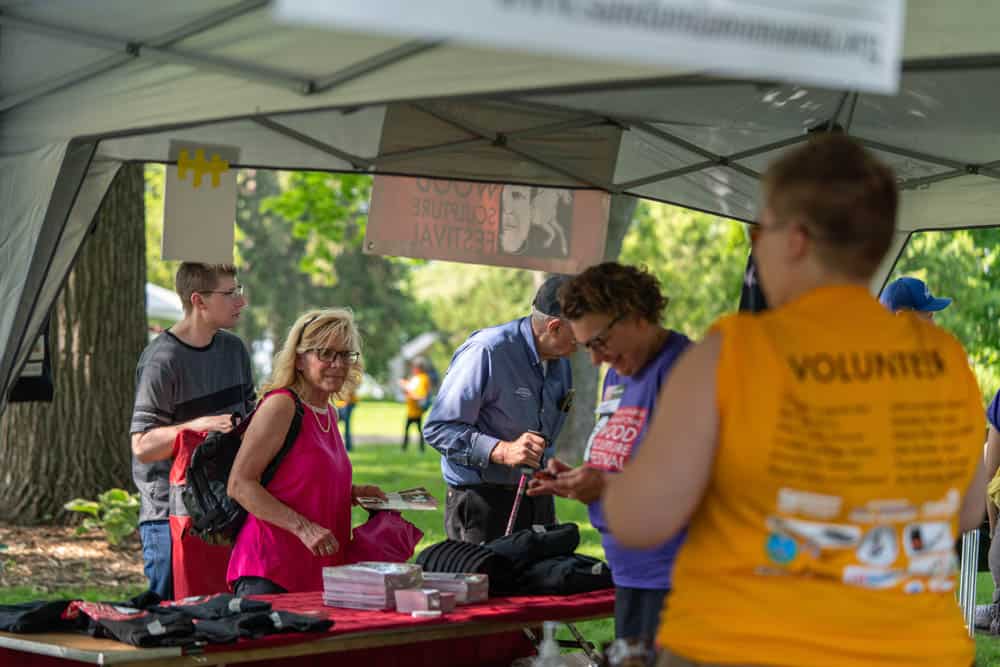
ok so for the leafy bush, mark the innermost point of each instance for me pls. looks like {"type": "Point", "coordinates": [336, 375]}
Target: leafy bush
{"type": "Point", "coordinates": [116, 512]}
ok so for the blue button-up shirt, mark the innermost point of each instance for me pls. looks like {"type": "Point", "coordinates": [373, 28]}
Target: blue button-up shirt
{"type": "Point", "coordinates": [496, 388]}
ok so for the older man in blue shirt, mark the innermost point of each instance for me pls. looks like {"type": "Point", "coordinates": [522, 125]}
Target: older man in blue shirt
{"type": "Point", "coordinates": [500, 407]}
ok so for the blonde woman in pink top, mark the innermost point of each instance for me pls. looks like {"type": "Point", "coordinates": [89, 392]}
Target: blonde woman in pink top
{"type": "Point", "coordinates": [301, 522]}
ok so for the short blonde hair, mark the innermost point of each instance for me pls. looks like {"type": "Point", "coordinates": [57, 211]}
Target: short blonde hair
{"type": "Point", "coordinates": [317, 329]}
{"type": "Point", "coordinates": [845, 197]}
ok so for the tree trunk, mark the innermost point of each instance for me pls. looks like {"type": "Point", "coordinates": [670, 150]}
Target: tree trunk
{"type": "Point", "coordinates": [573, 438]}
{"type": "Point", "coordinates": [77, 446]}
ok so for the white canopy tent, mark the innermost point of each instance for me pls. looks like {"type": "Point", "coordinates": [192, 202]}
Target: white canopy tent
{"type": "Point", "coordinates": [163, 304]}
{"type": "Point", "coordinates": [86, 86]}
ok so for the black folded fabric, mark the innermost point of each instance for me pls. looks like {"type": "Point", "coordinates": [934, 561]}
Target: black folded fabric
{"type": "Point", "coordinates": [258, 624]}
{"type": "Point", "coordinates": [146, 621]}
{"type": "Point", "coordinates": [35, 617]}
{"type": "Point", "coordinates": [531, 545]}
{"type": "Point", "coordinates": [288, 621]}
{"type": "Point", "coordinates": [565, 575]}
{"type": "Point", "coordinates": [455, 556]}
{"type": "Point", "coordinates": [210, 607]}
{"type": "Point", "coordinates": [137, 627]}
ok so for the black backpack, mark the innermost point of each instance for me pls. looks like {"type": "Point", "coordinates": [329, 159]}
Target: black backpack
{"type": "Point", "coordinates": [216, 518]}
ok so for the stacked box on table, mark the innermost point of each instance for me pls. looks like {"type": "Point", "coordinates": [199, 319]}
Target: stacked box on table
{"type": "Point", "coordinates": [467, 587]}
{"type": "Point", "coordinates": [368, 585]}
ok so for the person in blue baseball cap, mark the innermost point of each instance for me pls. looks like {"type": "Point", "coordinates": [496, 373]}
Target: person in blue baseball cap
{"type": "Point", "coordinates": [912, 294]}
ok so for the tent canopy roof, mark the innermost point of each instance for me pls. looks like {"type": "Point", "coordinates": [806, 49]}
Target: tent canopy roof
{"type": "Point", "coordinates": [87, 86]}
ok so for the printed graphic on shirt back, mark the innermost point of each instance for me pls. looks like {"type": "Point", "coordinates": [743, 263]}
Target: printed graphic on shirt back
{"type": "Point", "coordinates": [616, 431]}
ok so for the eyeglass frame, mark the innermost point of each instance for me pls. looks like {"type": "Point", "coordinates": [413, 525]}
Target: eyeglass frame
{"type": "Point", "coordinates": [349, 357]}
{"type": "Point", "coordinates": [338, 354]}
{"type": "Point", "coordinates": [237, 292]}
{"type": "Point", "coordinates": [599, 341]}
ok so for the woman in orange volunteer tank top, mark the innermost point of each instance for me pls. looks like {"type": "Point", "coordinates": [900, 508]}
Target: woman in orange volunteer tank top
{"type": "Point", "coordinates": [825, 454]}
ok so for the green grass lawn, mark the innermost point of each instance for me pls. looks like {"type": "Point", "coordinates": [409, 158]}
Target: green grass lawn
{"type": "Point", "coordinates": [384, 419]}
{"type": "Point", "coordinates": [392, 470]}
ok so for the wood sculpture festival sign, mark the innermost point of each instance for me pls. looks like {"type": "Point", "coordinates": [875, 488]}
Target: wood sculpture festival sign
{"type": "Point", "coordinates": [559, 230]}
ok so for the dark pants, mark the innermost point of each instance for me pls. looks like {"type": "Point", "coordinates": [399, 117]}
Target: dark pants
{"type": "Point", "coordinates": [637, 612]}
{"type": "Point", "coordinates": [256, 586]}
{"type": "Point", "coordinates": [479, 514]}
{"type": "Point", "coordinates": [344, 415]}
{"type": "Point", "coordinates": [410, 421]}
{"type": "Point", "coordinates": [156, 554]}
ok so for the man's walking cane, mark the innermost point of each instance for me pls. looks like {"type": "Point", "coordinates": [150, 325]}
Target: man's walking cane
{"type": "Point", "coordinates": [522, 489]}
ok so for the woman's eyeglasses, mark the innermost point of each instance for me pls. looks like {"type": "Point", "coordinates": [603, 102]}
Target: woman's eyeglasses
{"type": "Point", "coordinates": [599, 341]}
{"type": "Point", "coordinates": [330, 356]}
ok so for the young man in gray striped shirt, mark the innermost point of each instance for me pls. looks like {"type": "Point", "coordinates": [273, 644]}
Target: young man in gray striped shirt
{"type": "Point", "coordinates": [193, 376]}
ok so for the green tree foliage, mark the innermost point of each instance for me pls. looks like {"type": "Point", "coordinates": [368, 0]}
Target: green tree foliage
{"type": "Point", "coordinates": [328, 214]}
{"type": "Point", "coordinates": [699, 259]}
{"type": "Point", "coordinates": [329, 211]}
{"type": "Point", "coordinates": [963, 265]}
{"type": "Point", "coordinates": [158, 271]}
{"type": "Point", "coordinates": [466, 297]}
{"type": "Point", "coordinates": [277, 290]}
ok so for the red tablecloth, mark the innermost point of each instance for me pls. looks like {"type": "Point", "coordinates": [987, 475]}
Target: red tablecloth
{"type": "Point", "coordinates": [497, 647]}
{"type": "Point", "coordinates": [526, 610]}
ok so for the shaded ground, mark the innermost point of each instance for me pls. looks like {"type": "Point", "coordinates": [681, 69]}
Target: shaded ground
{"type": "Point", "coordinates": [48, 558]}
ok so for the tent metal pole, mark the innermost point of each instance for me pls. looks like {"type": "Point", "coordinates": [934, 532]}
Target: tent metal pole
{"type": "Point", "coordinates": [373, 64]}
{"type": "Point", "coordinates": [914, 183]}
{"type": "Point", "coordinates": [197, 26]}
{"type": "Point", "coordinates": [720, 160]}
{"type": "Point", "coordinates": [356, 161]}
{"type": "Point", "coordinates": [137, 49]}
{"type": "Point", "coordinates": [850, 113]}
{"type": "Point", "coordinates": [767, 148]}
{"type": "Point", "coordinates": [500, 140]}
{"type": "Point", "coordinates": [519, 134]}
{"type": "Point", "coordinates": [664, 175]}
{"type": "Point", "coordinates": [677, 141]}
{"type": "Point", "coordinates": [916, 155]}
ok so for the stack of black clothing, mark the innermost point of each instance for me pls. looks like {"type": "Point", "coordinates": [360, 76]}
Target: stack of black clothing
{"type": "Point", "coordinates": [540, 560]}
{"type": "Point", "coordinates": [147, 621]}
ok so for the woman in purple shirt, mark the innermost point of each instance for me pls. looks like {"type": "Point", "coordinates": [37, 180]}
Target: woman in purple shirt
{"type": "Point", "coordinates": [615, 311]}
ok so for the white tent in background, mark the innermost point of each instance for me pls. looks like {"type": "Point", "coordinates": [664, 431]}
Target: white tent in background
{"type": "Point", "coordinates": [163, 304]}
{"type": "Point", "coordinates": [86, 86]}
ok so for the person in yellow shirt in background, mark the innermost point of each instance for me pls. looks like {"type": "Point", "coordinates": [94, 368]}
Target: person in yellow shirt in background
{"type": "Point", "coordinates": [825, 454]}
{"type": "Point", "coordinates": [417, 389]}
{"type": "Point", "coordinates": [345, 408]}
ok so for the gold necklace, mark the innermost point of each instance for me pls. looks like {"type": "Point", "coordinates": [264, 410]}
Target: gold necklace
{"type": "Point", "coordinates": [329, 418]}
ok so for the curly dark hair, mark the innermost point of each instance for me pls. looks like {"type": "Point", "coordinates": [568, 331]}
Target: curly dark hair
{"type": "Point", "coordinates": [614, 289]}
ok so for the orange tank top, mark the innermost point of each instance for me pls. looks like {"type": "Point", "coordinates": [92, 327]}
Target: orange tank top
{"type": "Point", "coordinates": [847, 439]}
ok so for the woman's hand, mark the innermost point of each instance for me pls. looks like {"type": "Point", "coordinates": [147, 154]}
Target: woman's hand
{"type": "Point", "coordinates": [366, 491]}
{"type": "Point", "coordinates": [583, 483]}
{"type": "Point", "coordinates": [317, 539]}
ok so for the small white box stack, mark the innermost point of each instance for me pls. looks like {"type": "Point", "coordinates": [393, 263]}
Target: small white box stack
{"type": "Point", "coordinates": [368, 585]}
{"type": "Point", "coordinates": [468, 588]}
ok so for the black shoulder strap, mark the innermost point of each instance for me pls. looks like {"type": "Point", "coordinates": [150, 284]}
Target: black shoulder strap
{"type": "Point", "coordinates": [290, 437]}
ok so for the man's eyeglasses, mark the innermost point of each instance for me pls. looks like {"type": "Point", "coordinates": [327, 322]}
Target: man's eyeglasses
{"type": "Point", "coordinates": [599, 341]}
{"type": "Point", "coordinates": [330, 356]}
{"type": "Point", "coordinates": [235, 293]}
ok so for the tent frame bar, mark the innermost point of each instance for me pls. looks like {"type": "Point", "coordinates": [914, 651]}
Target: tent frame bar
{"type": "Point", "coordinates": [356, 161]}
{"type": "Point", "coordinates": [500, 141]}
{"type": "Point", "coordinates": [370, 65]}
{"type": "Point", "coordinates": [571, 124]}
{"type": "Point", "coordinates": [136, 49]}
{"type": "Point", "coordinates": [191, 29]}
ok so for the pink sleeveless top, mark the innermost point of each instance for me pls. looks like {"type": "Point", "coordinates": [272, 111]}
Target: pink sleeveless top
{"type": "Point", "coordinates": [314, 479]}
